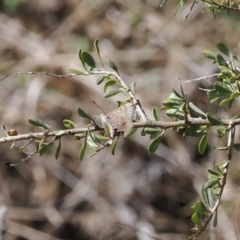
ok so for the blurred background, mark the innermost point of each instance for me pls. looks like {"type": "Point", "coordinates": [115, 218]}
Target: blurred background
{"type": "Point", "coordinates": [130, 195]}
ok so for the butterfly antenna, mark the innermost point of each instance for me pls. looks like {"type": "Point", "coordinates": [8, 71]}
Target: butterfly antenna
{"type": "Point", "coordinates": [99, 107]}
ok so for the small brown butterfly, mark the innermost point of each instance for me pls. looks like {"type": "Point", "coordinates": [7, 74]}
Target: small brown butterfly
{"type": "Point", "coordinates": [119, 120]}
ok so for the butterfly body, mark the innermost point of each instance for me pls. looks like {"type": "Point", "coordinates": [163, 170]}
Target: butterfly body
{"type": "Point", "coordinates": [120, 120]}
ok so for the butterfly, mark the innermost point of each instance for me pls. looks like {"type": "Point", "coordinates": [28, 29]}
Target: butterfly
{"type": "Point", "coordinates": [119, 120]}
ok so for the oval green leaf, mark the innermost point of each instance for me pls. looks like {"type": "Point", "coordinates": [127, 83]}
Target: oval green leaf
{"type": "Point", "coordinates": [100, 80]}
{"type": "Point", "coordinates": [44, 148]}
{"type": "Point", "coordinates": [196, 109]}
{"type": "Point", "coordinates": [209, 55]}
{"type": "Point", "coordinates": [38, 123]}
{"type": "Point", "coordinates": [88, 59]}
{"type": "Point", "coordinates": [111, 93]}
{"type": "Point", "coordinates": [98, 51]}
{"type": "Point", "coordinates": [154, 144]}
{"type": "Point", "coordinates": [81, 113]}
{"type": "Point", "coordinates": [69, 124]}
{"type": "Point", "coordinates": [214, 119]}
{"type": "Point", "coordinates": [109, 83]}
{"type": "Point", "coordinates": [156, 113]}
{"type": "Point", "coordinates": [222, 48]}
{"type": "Point", "coordinates": [83, 149]}
{"type": "Point", "coordinates": [113, 66]}
{"type": "Point", "coordinates": [202, 144]}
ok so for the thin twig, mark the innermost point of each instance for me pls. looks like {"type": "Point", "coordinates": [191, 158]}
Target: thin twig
{"type": "Point", "coordinates": [201, 78]}
{"type": "Point", "coordinates": [39, 73]}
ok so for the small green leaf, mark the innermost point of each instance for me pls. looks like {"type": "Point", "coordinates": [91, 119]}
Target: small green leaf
{"type": "Point", "coordinates": [211, 183]}
{"type": "Point", "coordinates": [222, 131]}
{"type": "Point", "coordinates": [75, 71]}
{"type": "Point", "coordinates": [196, 109]}
{"type": "Point", "coordinates": [195, 219]}
{"type": "Point", "coordinates": [222, 88]}
{"type": "Point", "coordinates": [98, 51]}
{"type": "Point", "coordinates": [82, 114]}
{"type": "Point", "coordinates": [109, 83]}
{"type": "Point", "coordinates": [100, 80]}
{"type": "Point", "coordinates": [3, 128]}
{"type": "Point", "coordinates": [236, 146]}
{"type": "Point", "coordinates": [133, 87]}
{"type": "Point", "coordinates": [143, 132]}
{"type": "Point", "coordinates": [38, 123]}
{"type": "Point", "coordinates": [93, 153]}
{"type": "Point", "coordinates": [221, 61]}
{"type": "Point", "coordinates": [209, 55]}
{"type": "Point", "coordinates": [205, 196]}
{"type": "Point", "coordinates": [45, 148]}
{"type": "Point", "coordinates": [156, 113]}
{"type": "Point", "coordinates": [199, 207]}
{"type": "Point", "coordinates": [23, 147]}
{"type": "Point", "coordinates": [214, 174]}
{"type": "Point", "coordinates": [202, 144]}
{"type": "Point", "coordinates": [227, 101]}
{"type": "Point", "coordinates": [222, 48]}
{"type": "Point", "coordinates": [194, 131]}
{"type": "Point", "coordinates": [114, 146]}
{"type": "Point", "coordinates": [112, 92]}
{"type": "Point", "coordinates": [214, 119]}
{"type": "Point", "coordinates": [57, 153]}
{"type": "Point", "coordinates": [80, 57]}
{"type": "Point", "coordinates": [215, 219]}
{"type": "Point", "coordinates": [79, 136]}
{"type": "Point", "coordinates": [113, 66]}
{"type": "Point", "coordinates": [154, 144]}
{"type": "Point", "coordinates": [221, 148]}
{"type": "Point", "coordinates": [88, 59]}
{"type": "Point", "coordinates": [69, 124]}
{"type": "Point", "coordinates": [223, 164]}
{"type": "Point", "coordinates": [83, 149]}
{"type": "Point", "coordinates": [151, 130]}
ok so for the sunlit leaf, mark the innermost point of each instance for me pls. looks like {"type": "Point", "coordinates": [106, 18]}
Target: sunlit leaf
{"type": "Point", "coordinates": [69, 124]}
{"type": "Point", "coordinates": [109, 83]}
{"type": "Point", "coordinates": [75, 71]}
{"type": "Point", "coordinates": [211, 183]}
{"type": "Point", "coordinates": [209, 54]}
{"type": "Point", "coordinates": [223, 164]}
{"type": "Point", "coordinates": [112, 92]}
{"type": "Point", "coordinates": [83, 149]}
